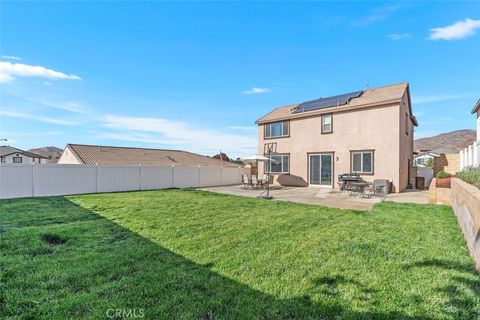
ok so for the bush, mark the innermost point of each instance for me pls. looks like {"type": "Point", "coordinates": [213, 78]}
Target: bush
{"type": "Point", "coordinates": [429, 163]}
{"type": "Point", "coordinates": [470, 175]}
{"type": "Point", "coordinates": [442, 175]}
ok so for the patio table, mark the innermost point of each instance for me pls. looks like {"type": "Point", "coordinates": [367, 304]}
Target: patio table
{"type": "Point", "coordinates": [359, 188]}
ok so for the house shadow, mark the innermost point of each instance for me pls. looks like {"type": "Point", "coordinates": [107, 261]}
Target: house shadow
{"type": "Point", "coordinates": [99, 265]}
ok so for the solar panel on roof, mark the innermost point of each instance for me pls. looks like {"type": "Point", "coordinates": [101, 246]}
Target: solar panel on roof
{"type": "Point", "coordinates": [327, 102]}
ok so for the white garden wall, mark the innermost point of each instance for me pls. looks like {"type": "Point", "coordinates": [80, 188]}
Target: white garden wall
{"type": "Point", "coordinates": [60, 179]}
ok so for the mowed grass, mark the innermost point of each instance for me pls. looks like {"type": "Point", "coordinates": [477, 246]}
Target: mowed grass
{"type": "Point", "coordinates": [184, 254]}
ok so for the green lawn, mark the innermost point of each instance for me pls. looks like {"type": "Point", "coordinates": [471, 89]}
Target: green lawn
{"type": "Point", "coordinates": [184, 254]}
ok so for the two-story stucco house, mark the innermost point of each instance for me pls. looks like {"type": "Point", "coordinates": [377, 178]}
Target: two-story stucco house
{"type": "Point", "coordinates": [369, 132]}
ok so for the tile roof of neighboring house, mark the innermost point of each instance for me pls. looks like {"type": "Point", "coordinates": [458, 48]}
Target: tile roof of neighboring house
{"type": "Point", "coordinates": [8, 150]}
{"type": "Point", "coordinates": [370, 97]}
{"type": "Point", "coordinates": [107, 155]}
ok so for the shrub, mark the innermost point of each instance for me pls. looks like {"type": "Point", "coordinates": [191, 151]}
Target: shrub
{"type": "Point", "coordinates": [429, 163]}
{"type": "Point", "coordinates": [470, 175]}
{"type": "Point", "coordinates": [442, 175]}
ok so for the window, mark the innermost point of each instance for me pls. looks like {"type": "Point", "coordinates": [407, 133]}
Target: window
{"type": "Point", "coordinates": [277, 129]}
{"type": "Point", "coordinates": [362, 161]}
{"type": "Point", "coordinates": [4, 160]}
{"type": "Point", "coordinates": [327, 123]}
{"type": "Point", "coordinates": [17, 159]}
{"type": "Point", "coordinates": [280, 164]}
{"type": "Point", "coordinates": [406, 123]}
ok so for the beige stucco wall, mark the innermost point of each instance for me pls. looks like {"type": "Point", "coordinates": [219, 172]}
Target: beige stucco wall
{"type": "Point", "coordinates": [377, 128]}
{"type": "Point", "coordinates": [449, 163]}
{"type": "Point", "coordinates": [67, 157]}
{"type": "Point", "coordinates": [406, 146]}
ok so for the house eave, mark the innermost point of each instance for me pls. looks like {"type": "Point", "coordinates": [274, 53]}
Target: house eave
{"type": "Point", "coordinates": [476, 107]}
{"type": "Point", "coordinates": [386, 103]}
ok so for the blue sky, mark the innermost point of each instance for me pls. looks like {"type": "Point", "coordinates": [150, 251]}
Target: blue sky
{"type": "Point", "coordinates": [195, 76]}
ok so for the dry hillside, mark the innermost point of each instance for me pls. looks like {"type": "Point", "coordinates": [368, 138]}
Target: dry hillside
{"type": "Point", "coordinates": [52, 153]}
{"type": "Point", "coordinates": [456, 140]}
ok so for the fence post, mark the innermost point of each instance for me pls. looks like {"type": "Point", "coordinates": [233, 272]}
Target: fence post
{"type": "Point", "coordinates": [96, 177]}
{"type": "Point", "coordinates": [199, 179]}
{"type": "Point", "coordinates": [173, 176]}
{"type": "Point", "coordinates": [221, 175]}
{"type": "Point", "coordinates": [475, 154]}
{"type": "Point", "coordinates": [139, 176]}
{"type": "Point", "coordinates": [460, 158]}
{"type": "Point", "coordinates": [33, 179]}
{"type": "Point", "coordinates": [470, 155]}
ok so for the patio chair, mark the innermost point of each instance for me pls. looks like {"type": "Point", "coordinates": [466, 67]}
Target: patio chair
{"type": "Point", "coordinates": [378, 189]}
{"type": "Point", "coordinates": [245, 181]}
{"type": "Point", "coordinates": [256, 183]}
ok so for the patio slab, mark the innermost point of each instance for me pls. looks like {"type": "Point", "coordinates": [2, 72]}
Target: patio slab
{"type": "Point", "coordinates": [325, 197]}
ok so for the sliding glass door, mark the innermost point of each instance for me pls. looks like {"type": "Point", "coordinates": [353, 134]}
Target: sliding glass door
{"type": "Point", "coordinates": [321, 169]}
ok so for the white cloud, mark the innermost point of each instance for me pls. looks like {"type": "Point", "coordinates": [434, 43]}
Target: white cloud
{"type": "Point", "coordinates": [256, 90]}
{"type": "Point", "coordinates": [458, 30]}
{"type": "Point", "coordinates": [67, 106]}
{"type": "Point", "coordinates": [181, 135]}
{"type": "Point", "coordinates": [243, 128]}
{"type": "Point", "coordinates": [377, 14]}
{"type": "Point", "coordinates": [437, 97]}
{"type": "Point", "coordinates": [399, 36]}
{"type": "Point", "coordinates": [11, 57]}
{"type": "Point", "coordinates": [9, 71]}
{"type": "Point", "coordinates": [20, 115]}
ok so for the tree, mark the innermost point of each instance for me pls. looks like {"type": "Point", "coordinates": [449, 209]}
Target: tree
{"type": "Point", "coordinates": [221, 156]}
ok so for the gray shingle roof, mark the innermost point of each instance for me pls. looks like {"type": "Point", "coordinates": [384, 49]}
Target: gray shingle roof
{"type": "Point", "coordinates": [8, 150]}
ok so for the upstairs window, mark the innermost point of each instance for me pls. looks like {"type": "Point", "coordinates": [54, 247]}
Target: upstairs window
{"type": "Point", "coordinates": [277, 129]}
{"type": "Point", "coordinates": [327, 123]}
{"type": "Point", "coordinates": [362, 162]}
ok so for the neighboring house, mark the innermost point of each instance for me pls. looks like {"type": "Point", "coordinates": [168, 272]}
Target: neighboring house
{"type": "Point", "coordinates": [470, 156]}
{"type": "Point", "coordinates": [369, 132]}
{"type": "Point", "coordinates": [10, 154]}
{"type": "Point", "coordinates": [107, 155]}
{"type": "Point", "coordinates": [422, 158]}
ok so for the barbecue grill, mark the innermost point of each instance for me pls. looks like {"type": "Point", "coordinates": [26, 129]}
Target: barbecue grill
{"type": "Point", "coordinates": [349, 177]}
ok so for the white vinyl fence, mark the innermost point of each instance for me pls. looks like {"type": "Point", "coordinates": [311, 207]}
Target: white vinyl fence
{"type": "Point", "coordinates": [470, 156]}
{"type": "Point", "coordinates": [38, 180]}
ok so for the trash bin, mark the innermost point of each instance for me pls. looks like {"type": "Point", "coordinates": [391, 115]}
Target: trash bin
{"type": "Point", "coordinates": [420, 183]}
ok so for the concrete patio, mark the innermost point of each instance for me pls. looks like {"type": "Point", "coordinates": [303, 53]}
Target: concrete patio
{"type": "Point", "coordinates": [324, 197]}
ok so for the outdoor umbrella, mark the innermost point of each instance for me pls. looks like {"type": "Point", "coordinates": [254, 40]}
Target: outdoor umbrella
{"type": "Point", "coordinates": [256, 158]}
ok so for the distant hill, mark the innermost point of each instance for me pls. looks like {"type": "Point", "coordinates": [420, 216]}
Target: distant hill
{"type": "Point", "coordinates": [456, 140]}
{"type": "Point", "coordinates": [52, 153]}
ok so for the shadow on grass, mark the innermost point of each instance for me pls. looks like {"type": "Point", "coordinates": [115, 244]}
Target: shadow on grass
{"type": "Point", "coordinates": [465, 283]}
{"type": "Point", "coordinates": [102, 266]}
